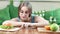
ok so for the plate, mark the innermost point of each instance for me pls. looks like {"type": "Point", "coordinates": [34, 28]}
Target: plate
{"type": "Point", "coordinates": [13, 29]}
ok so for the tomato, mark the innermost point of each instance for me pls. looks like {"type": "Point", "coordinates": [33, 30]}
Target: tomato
{"type": "Point", "coordinates": [8, 24]}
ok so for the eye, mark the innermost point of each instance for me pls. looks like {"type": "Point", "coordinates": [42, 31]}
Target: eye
{"type": "Point", "coordinates": [26, 12]}
{"type": "Point", "coordinates": [21, 11]}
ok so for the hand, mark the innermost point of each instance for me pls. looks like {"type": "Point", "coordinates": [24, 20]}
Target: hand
{"type": "Point", "coordinates": [10, 22]}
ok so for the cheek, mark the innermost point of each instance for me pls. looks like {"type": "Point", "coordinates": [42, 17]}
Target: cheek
{"type": "Point", "coordinates": [20, 14]}
{"type": "Point", "coordinates": [27, 15]}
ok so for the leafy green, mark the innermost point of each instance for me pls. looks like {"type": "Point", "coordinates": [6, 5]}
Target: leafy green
{"type": "Point", "coordinates": [6, 27]}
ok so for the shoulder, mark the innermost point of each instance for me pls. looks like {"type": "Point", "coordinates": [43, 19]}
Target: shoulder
{"type": "Point", "coordinates": [38, 18]}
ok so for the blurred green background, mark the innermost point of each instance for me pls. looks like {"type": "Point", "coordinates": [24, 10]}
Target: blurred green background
{"type": "Point", "coordinates": [11, 12]}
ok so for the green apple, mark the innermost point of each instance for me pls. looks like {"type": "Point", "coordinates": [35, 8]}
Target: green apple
{"type": "Point", "coordinates": [54, 27]}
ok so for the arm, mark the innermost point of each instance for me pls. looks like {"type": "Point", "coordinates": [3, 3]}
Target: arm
{"type": "Point", "coordinates": [13, 21]}
{"type": "Point", "coordinates": [41, 21]}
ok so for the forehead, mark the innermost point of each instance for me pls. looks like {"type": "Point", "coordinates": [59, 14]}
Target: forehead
{"type": "Point", "coordinates": [24, 8]}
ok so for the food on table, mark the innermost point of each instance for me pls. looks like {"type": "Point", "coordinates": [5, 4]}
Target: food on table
{"type": "Point", "coordinates": [6, 26]}
{"type": "Point", "coordinates": [47, 27]}
{"type": "Point", "coordinates": [54, 27]}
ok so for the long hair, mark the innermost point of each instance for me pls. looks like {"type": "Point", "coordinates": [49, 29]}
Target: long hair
{"type": "Point", "coordinates": [27, 4]}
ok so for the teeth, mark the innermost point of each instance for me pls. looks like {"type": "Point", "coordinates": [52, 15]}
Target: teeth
{"type": "Point", "coordinates": [4, 4]}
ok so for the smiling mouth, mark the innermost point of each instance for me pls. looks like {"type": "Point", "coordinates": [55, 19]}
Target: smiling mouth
{"type": "Point", "coordinates": [24, 17]}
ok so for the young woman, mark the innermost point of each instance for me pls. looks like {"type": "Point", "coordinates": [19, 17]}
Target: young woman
{"type": "Point", "coordinates": [24, 16]}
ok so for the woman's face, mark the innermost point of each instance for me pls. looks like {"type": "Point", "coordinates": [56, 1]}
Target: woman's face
{"type": "Point", "coordinates": [24, 13]}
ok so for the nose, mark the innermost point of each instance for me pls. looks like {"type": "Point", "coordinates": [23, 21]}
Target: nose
{"type": "Point", "coordinates": [24, 14]}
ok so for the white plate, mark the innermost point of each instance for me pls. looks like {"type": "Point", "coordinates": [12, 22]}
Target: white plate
{"type": "Point", "coordinates": [13, 29]}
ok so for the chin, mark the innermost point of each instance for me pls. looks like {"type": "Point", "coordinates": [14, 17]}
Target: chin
{"type": "Point", "coordinates": [25, 20]}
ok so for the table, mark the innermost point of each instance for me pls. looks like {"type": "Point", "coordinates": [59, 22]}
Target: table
{"type": "Point", "coordinates": [35, 31]}
{"type": "Point", "coordinates": [29, 31]}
